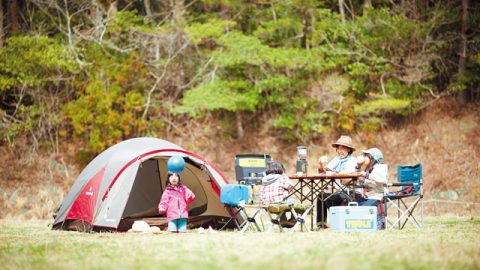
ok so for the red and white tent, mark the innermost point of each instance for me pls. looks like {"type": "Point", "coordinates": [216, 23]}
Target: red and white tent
{"type": "Point", "coordinates": [126, 181]}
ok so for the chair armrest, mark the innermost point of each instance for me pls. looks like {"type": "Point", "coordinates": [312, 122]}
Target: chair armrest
{"type": "Point", "coordinates": [399, 184]}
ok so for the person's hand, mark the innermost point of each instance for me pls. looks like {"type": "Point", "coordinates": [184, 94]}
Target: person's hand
{"type": "Point", "coordinates": [161, 209]}
{"type": "Point", "coordinates": [360, 162]}
{"type": "Point", "coordinates": [322, 161]}
{"type": "Point", "coordinates": [320, 168]}
{"type": "Point", "coordinates": [363, 174]}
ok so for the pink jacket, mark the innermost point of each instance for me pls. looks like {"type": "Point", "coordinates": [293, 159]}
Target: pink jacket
{"type": "Point", "coordinates": [175, 200]}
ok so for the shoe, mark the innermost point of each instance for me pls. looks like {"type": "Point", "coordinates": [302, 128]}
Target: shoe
{"type": "Point", "coordinates": [288, 223]}
{"type": "Point", "coordinates": [322, 225]}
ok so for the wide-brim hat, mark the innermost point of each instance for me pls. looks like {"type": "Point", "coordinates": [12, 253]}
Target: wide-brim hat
{"type": "Point", "coordinates": [344, 141]}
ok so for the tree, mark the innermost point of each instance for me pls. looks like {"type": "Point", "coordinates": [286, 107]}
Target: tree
{"type": "Point", "coordinates": [462, 60]}
{"type": "Point", "coordinates": [14, 19]}
{"type": "Point", "coordinates": [2, 32]}
{"type": "Point", "coordinates": [148, 8]}
{"type": "Point", "coordinates": [297, 68]}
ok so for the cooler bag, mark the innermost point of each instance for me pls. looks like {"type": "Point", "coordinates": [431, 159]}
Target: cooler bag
{"type": "Point", "coordinates": [353, 218]}
{"type": "Point", "coordinates": [232, 194]}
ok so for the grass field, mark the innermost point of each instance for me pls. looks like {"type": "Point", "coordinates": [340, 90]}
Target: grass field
{"type": "Point", "coordinates": [444, 243]}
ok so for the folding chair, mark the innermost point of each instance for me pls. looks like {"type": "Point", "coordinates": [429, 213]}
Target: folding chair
{"type": "Point", "coordinates": [276, 211]}
{"type": "Point", "coordinates": [234, 198]}
{"type": "Point", "coordinates": [411, 182]}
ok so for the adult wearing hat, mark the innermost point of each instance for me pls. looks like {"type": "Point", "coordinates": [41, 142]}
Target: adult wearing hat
{"type": "Point", "coordinates": [344, 162]}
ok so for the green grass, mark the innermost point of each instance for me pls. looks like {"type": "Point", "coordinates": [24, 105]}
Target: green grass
{"type": "Point", "coordinates": [445, 243]}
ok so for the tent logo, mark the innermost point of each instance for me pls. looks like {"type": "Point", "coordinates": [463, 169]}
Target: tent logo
{"type": "Point", "coordinates": [89, 192]}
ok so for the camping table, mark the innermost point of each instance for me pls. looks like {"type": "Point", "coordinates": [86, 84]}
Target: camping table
{"type": "Point", "coordinates": [310, 187]}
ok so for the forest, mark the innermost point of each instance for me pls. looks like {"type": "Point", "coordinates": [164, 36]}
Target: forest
{"type": "Point", "coordinates": [103, 71]}
{"type": "Point", "coordinates": [79, 76]}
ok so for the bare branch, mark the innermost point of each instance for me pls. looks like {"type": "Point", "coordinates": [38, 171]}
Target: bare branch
{"type": "Point", "coordinates": [149, 96]}
{"type": "Point", "coordinates": [382, 85]}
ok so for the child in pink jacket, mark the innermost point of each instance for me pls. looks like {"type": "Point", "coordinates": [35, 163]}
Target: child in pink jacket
{"type": "Point", "coordinates": [174, 202]}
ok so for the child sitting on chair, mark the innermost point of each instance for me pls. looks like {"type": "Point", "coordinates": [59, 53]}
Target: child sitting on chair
{"type": "Point", "coordinates": [376, 175]}
{"type": "Point", "coordinates": [275, 188]}
{"type": "Point", "coordinates": [174, 202]}
{"type": "Point", "coordinates": [275, 185]}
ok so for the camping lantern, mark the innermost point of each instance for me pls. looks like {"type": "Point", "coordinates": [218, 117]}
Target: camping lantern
{"type": "Point", "coordinates": [302, 163]}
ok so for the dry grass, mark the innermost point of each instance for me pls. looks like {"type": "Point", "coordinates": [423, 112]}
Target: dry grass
{"type": "Point", "coordinates": [33, 185]}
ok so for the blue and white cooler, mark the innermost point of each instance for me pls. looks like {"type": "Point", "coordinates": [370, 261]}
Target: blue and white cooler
{"type": "Point", "coordinates": [353, 218]}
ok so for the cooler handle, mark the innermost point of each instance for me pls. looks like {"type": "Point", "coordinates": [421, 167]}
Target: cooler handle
{"type": "Point", "coordinates": [352, 203]}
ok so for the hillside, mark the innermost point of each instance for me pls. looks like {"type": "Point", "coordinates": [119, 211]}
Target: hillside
{"type": "Point", "coordinates": [444, 138]}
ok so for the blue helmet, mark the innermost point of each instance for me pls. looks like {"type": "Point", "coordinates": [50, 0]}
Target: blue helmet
{"type": "Point", "coordinates": [376, 154]}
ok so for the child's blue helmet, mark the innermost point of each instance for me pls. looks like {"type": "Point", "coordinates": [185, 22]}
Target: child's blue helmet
{"type": "Point", "coordinates": [376, 154]}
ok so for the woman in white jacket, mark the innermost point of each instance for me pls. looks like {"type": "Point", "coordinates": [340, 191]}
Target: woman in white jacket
{"type": "Point", "coordinates": [376, 176]}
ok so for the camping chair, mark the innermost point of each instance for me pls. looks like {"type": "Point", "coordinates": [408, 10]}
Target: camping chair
{"type": "Point", "coordinates": [411, 182]}
{"type": "Point", "coordinates": [298, 212]}
{"type": "Point", "coordinates": [234, 198]}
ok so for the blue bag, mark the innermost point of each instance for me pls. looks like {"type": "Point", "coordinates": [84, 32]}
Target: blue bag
{"type": "Point", "coordinates": [232, 194]}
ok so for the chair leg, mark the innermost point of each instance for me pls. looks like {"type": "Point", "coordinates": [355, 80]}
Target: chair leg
{"type": "Point", "coordinates": [301, 219]}
{"type": "Point", "coordinates": [295, 216]}
{"type": "Point", "coordinates": [251, 222]}
{"type": "Point", "coordinates": [421, 209]}
{"type": "Point", "coordinates": [304, 215]}
{"type": "Point", "coordinates": [261, 219]}
{"type": "Point", "coordinates": [398, 213]}
{"type": "Point", "coordinates": [409, 214]}
{"type": "Point", "coordinates": [389, 203]}
{"type": "Point", "coordinates": [275, 220]}
{"type": "Point", "coordinates": [233, 217]}
{"type": "Point", "coordinates": [270, 228]}
{"type": "Point", "coordinates": [404, 215]}
{"type": "Point", "coordinates": [258, 211]}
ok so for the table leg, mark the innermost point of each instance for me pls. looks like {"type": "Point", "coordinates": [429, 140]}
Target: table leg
{"type": "Point", "coordinates": [312, 201]}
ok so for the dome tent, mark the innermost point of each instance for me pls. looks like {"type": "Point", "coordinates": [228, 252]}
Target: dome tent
{"type": "Point", "coordinates": [125, 183]}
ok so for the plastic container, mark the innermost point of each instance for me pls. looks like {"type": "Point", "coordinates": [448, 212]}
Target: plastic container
{"type": "Point", "coordinates": [353, 218]}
